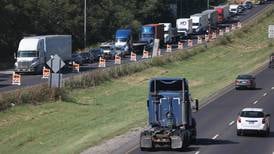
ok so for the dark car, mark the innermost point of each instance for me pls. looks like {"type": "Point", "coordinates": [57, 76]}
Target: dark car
{"type": "Point", "coordinates": [96, 53]}
{"type": "Point", "coordinates": [248, 5]}
{"type": "Point", "coordinates": [87, 57]}
{"type": "Point", "coordinates": [271, 61]}
{"type": "Point", "coordinates": [77, 58]}
{"type": "Point", "coordinates": [245, 81]}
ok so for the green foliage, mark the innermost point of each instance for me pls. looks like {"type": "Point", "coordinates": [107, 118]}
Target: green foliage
{"type": "Point", "coordinates": [41, 17]}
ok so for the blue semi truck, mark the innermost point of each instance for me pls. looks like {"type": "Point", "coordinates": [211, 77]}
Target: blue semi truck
{"type": "Point", "coordinates": [170, 118]}
{"type": "Point", "coordinates": [123, 41]}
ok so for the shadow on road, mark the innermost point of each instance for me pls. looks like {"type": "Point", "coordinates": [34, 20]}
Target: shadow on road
{"type": "Point", "coordinates": [206, 141]}
{"type": "Point", "coordinates": [4, 85]}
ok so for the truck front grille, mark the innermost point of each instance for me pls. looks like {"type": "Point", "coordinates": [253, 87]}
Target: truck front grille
{"type": "Point", "coordinates": [23, 65]}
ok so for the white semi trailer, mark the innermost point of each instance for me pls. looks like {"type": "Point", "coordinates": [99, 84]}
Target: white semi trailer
{"type": "Point", "coordinates": [34, 52]}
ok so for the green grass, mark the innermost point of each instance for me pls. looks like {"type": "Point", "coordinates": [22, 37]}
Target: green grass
{"type": "Point", "coordinates": [98, 113]}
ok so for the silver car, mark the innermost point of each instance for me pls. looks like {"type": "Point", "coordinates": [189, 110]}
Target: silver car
{"type": "Point", "coordinates": [245, 81]}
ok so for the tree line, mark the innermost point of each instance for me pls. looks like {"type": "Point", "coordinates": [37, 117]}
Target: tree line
{"type": "Point", "coordinates": [44, 17]}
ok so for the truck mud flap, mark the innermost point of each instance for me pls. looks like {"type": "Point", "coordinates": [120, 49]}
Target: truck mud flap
{"type": "Point", "coordinates": [176, 142]}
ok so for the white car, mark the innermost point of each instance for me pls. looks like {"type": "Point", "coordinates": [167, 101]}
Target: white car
{"type": "Point", "coordinates": [253, 120]}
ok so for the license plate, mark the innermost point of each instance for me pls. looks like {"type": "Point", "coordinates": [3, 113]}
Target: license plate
{"type": "Point", "coordinates": [251, 122]}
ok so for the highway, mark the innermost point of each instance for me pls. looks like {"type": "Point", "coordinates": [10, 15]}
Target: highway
{"type": "Point", "coordinates": [30, 80]}
{"type": "Point", "coordinates": [216, 125]}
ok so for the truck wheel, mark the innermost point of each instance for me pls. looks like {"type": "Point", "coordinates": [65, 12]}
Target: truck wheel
{"type": "Point", "coordinates": [239, 133]}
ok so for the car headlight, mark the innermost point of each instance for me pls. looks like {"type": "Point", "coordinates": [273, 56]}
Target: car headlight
{"type": "Point", "coordinates": [16, 64]}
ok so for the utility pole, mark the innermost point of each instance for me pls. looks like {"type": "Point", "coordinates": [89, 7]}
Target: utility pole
{"type": "Point", "coordinates": [85, 24]}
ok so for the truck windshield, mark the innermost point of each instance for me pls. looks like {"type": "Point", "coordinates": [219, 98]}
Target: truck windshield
{"type": "Point", "coordinates": [121, 39]}
{"type": "Point", "coordinates": [27, 54]}
{"type": "Point", "coordinates": [147, 35]}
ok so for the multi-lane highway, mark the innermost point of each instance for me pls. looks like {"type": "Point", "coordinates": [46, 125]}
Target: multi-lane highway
{"type": "Point", "coordinates": [216, 122]}
{"type": "Point", "coordinates": [29, 80]}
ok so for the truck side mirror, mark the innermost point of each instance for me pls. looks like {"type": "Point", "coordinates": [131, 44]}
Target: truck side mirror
{"type": "Point", "coordinates": [14, 55]}
{"type": "Point", "coordinates": [267, 115]}
{"type": "Point", "coordinates": [196, 104]}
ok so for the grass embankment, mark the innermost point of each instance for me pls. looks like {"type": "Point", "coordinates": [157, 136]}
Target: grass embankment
{"type": "Point", "coordinates": [101, 112]}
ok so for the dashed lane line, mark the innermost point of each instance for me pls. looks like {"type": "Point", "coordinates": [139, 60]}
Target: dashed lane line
{"type": "Point", "coordinates": [217, 135]}
{"type": "Point", "coordinates": [197, 152]}
{"type": "Point", "coordinates": [255, 102]}
{"type": "Point", "coordinates": [231, 123]}
{"type": "Point", "coordinates": [265, 94]}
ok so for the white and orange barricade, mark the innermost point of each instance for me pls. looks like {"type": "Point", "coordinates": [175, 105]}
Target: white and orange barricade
{"type": "Point", "coordinates": [214, 35]}
{"type": "Point", "coordinates": [75, 67]}
{"type": "Point", "coordinates": [145, 54]}
{"type": "Point", "coordinates": [16, 79]}
{"type": "Point", "coordinates": [221, 32]}
{"type": "Point", "coordinates": [180, 45]}
{"type": "Point", "coordinates": [46, 73]}
{"type": "Point", "coordinates": [118, 60]}
{"type": "Point", "coordinates": [190, 43]}
{"type": "Point", "coordinates": [207, 38]}
{"type": "Point", "coordinates": [239, 25]}
{"type": "Point", "coordinates": [227, 29]}
{"type": "Point", "coordinates": [200, 40]}
{"type": "Point", "coordinates": [102, 62]}
{"type": "Point", "coordinates": [233, 27]}
{"type": "Point", "coordinates": [158, 52]}
{"type": "Point", "coordinates": [133, 56]}
{"type": "Point", "coordinates": [168, 48]}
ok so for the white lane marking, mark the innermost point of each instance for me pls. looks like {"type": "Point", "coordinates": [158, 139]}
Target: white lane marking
{"type": "Point", "coordinates": [265, 94]}
{"type": "Point", "coordinates": [272, 88]}
{"type": "Point", "coordinates": [255, 102]}
{"type": "Point", "coordinates": [231, 123]}
{"type": "Point", "coordinates": [217, 135]}
{"type": "Point", "coordinates": [197, 152]}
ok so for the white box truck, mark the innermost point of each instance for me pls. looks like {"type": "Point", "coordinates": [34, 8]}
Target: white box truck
{"type": "Point", "coordinates": [233, 9]}
{"type": "Point", "coordinates": [34, 52]}
{"type": "Point", "coordinates": [200, 23]}
{"type": "Point", "coordinates": [170, 33]}
{"type": "Point", "coordinates": [212, 17]}
{"type": "Point", "coordinates": [184, 27]}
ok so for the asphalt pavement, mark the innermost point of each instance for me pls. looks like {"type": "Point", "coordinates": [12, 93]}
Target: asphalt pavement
{"type": "Point", "coordinates": [216, 122]}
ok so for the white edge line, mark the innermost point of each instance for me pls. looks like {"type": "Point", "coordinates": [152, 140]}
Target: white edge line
{"type": "Point", "coordinates": [272, 88]}
{"type": "Point", "coordinates": [231, 123]}
{"type": "Point", "coordinates": [255, 102]}
{"type": "Point", "coordinates": [215, 136]}
{"type": "Point", "coordinates": [265, 94]}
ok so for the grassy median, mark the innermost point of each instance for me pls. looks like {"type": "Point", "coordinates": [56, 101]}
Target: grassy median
{"type": "Point", "coordinates": [94, 114]}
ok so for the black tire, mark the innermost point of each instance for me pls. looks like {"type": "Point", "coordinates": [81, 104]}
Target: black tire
{"type": "Point", "coordinates": [239, 133]}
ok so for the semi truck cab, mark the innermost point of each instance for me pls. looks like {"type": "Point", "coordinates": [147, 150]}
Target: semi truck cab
{"type": "Point", "coordinates": [123, 40]}
{"type": "Point", "coordinates": [30, 55]}
{"type": "Point", "coordinates": [169, 115]}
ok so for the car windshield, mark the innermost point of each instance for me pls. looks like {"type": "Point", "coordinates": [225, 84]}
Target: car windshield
{"type": "Point", "coordinates": [27, 54]}
{"type": "Point", "coordinates": [252, 114]}
{"type": "Point", "coordinates": [74, 55]}
{"type": "Point", "coordinates": [244, 77]}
